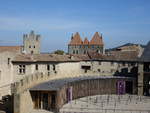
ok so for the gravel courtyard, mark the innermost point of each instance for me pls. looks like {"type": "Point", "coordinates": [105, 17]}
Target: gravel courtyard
{"type": "Point", "coordinates": [108, 104]}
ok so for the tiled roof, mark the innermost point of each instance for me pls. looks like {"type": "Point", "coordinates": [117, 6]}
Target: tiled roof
{"type": "Point", "coordinates": [96, 40]}
{"type": "Point", "coordinates": [125, 55]}
{"type": "Point", "coordinates": [86, 42]}
{"type": "Point", "coordinates": [127, 47]}
{"type": "Point", "coordinates": [48, 58]}
{"type": "Point", "coordinates": [146, 54]}
{"type": "Point", "coordinates": [76, 40]}
{"type": "Point", "coordinates": [115, 56]}
{"type": "Point", "coordinates": [11, 48]}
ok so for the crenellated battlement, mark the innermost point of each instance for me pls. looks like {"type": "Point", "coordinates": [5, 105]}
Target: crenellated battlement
{"type": "Point", "coordinates": [31, 43]}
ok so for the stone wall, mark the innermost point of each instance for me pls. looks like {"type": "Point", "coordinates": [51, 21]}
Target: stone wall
{"type": "Point", "coordinates": [89, 87]}
{"type": "Point", "coordinates": [6, 72]}
{"type": "Point", "coordinates": [140, 78]}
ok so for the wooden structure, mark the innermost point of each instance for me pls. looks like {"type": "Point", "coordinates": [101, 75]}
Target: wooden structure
{"type": "Point", "coordinates": [53, 95]}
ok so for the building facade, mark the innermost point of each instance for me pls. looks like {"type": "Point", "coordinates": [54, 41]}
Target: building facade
{"type": "Point", "coordinates": [31, 45]}
{"type": "Point", "coordinates": [77, 46]}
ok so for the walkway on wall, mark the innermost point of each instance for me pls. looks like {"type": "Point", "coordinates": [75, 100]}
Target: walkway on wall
{"type": "Point", "coordinates": [108, 104]}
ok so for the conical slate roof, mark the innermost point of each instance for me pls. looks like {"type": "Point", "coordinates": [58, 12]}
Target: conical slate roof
{"type": "Point", "coordinates": [146, 54]}
{"type": "Point", "coordinates": [86, 42]}
{"type": "Point", "coordinates": [76, 40]}
{"type": "Point", "coordinates": [96, 40]}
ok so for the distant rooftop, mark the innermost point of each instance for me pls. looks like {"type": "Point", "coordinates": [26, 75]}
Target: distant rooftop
{"type": "Point", "coordinates": [16, 49]}
{"type": "Point", "coordinates": [129, 45]}
{"type": "Point", "coordinates": [114, 56]}
{"type": "Point", "coordinates": [146, 54]}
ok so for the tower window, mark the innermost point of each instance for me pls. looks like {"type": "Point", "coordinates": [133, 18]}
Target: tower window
{"type": "Point", "coordinates": [8, 61]}
{"type": "Point", "coordinates": [33, 46]}
{"type": "Point", "coordinates": [29, 46]}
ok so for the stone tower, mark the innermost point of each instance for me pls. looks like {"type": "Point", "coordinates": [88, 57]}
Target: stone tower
{"type": "Point", "coordinates": [31, 43]}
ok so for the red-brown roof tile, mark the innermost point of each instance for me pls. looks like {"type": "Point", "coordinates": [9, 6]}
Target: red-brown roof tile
{"type": "Point", "coordinates": [76, 40]}
{"type": "Point", "coordinates": [86, 42]}
{"type": "Point", "coordinates": [16, 49]}
{"type": "Point", "coordinates": [96, 40]}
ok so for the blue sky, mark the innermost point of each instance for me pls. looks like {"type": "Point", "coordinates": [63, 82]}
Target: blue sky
{"type": "Point", "coordinates": [120, 21]}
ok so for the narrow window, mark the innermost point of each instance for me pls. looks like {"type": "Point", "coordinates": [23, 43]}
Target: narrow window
{"type": "Point", "coordinates": [33, 46]}
{"type": "Point", "coordinates": [48, 67]}
{"type": "Point", "coordinates": [8, 61]}
{"type": "Point", "coordinates": [20, 69]}
{"type": "Point", "coordinates": [23, 69]}
{"type": "Point", "coordinates": [29, 46]}
{"type": "Point", "coordinates": [54, 67]}
{"type": "Point", "coordinates": [123, 63]}
{"type": "Point", "coordinates": [36, 67]}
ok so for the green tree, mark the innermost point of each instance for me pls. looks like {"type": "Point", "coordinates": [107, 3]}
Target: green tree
{"type": "Point", "coordinates": [59, 52]}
